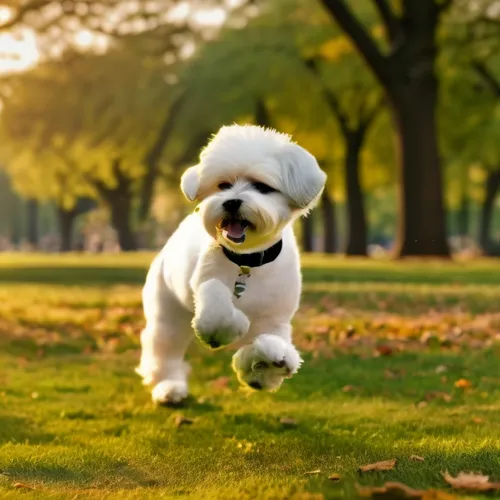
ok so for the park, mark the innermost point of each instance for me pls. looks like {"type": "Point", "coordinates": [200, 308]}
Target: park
{"type": "Point", "coordinates": [104, 105]}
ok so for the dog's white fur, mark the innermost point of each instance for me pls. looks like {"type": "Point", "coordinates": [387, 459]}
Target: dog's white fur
{"type": "Point", "coordinates": [190, 283]}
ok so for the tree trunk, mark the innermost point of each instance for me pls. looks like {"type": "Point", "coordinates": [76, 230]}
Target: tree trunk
{"type": "Point", "coordinates": [32, 226]}
{"type": "Point", "coordinates": [463, 220]}
{"type": "Point", "coordinates": [487, 209]}
{"type": "Point", "coordinates": [16, 222]}
{"type": "Point", "coordinates": [119, 201]}
{"type": "Point", "coordinates": [422, 227]}
{"type": "Point", "coordinates": [407, 74]}
{"type": "Point", "coordinates": [329, 223]}
{"type": "Point", "coordinates": [154, 155]}
{"type": "Point", "coordinates": [356, 214]}
{"type": "Point", "coordinates": [120, 205]}
{"type": "Point", "coordinates": [308, 233]}
{"type": "Point", "coordinates": [262, 117]}
{"type": "Point", "coordinates": [66, 220]}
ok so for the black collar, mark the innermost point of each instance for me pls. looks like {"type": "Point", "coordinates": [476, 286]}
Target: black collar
{"type": "Point", "coordinates": [254, 259]}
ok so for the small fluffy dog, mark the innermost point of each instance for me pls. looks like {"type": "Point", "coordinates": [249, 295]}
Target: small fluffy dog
{"type": "Point", "coordinates": [230, 273]}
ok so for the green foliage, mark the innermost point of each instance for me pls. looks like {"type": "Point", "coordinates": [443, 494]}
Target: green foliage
{"type": "Point", "coordinates": [65, 122]}
{"type": "Point", "coordinates": [266, 60]}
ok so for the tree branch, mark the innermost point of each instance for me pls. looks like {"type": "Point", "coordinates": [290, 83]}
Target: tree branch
{"type": "Point", "coordinates": [372, 113]}
{"type": "Point", "coordinates": [154, 154]}
{"type": "Point", "coordinates": [359, 36]}
{"type": "Point", "coordinates": [193, 148]}
{"type": "Point", "coordinates": [391, 22]}
{"type": "Point", "coordinates": [334, 105]}
{"type": "Point", "coordinates": [485, 73]}
{"type": "Point", "coordinates": [445, 5]}
{"type": "Point", "coordinates": [329, 96]}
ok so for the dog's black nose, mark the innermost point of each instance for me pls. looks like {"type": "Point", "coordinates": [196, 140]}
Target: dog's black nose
{"type": "Point", "coordinates": [232, 206]}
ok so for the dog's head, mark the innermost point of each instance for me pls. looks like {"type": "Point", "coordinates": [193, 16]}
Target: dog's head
{"type": "Point", "coordinates": [251, 182]}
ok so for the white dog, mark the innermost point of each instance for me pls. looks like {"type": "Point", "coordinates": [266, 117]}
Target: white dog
{"type": "Point", "coordinates": [231, 270]}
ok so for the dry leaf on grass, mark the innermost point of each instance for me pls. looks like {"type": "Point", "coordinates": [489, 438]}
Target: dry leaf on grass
{"type": "Point", "coordinates": [400, 491]}
{"type": "Point", "coordinates": [312, 472]}
{"type": "Point", "coordinates": [349, 388]}
{"type": "Point", "coordinates": [477, 420]}
{"type": "Point", "coordinates": [443, 396]}
{"type": "Point", "coordinates": [288, 422]}
{"type": "Point", "coordinates": [384, 465]}
{"type": "Point", "coordinates": [390, 490]}
{"type": "Point", "coordinates": [334, 477]}
{"type": "Point", "coordinates": [463, 383]}
{"type": "Point", "coordinates": [416, 458]}
{"type": "Point", "coordinates": [181, 420]}
{"type": "Point", "coordinates": [23, 486]}
{"type": "Point", "coordinates": [221, 383]}
{"type": "Point", "coordinates": [384, 350]}
{"type": "Point", "coordinates": [471, 481]}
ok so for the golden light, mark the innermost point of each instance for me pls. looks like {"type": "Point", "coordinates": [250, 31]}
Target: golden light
{"type": "Point", "coordinates": [18, 51]}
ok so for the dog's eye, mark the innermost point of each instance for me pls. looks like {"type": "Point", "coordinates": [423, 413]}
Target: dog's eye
{"type": "Point", "coordinates": [224, 185]}
{"type": "Point", "coordinates": [263, 188]}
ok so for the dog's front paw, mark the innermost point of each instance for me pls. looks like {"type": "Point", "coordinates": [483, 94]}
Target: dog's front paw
{"type": "Point", "coordinates": [170, 392]}
{"type": "Point", "coordinates": [264, 364]}
{"type": "Point", "coordinates": [216, 330]}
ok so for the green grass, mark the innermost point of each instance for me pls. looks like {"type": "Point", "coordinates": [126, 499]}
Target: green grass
{"type": "Point", "coordinates": [75, 421]}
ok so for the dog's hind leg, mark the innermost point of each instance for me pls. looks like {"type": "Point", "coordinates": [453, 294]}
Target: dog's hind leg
{"type": "Point", "coordinates": [164, 340]}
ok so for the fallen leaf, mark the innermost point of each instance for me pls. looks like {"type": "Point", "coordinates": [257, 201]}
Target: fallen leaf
{"type": "Point", "coordinates": [181, 420]}
{"type": "Point", "coordinates": [416, 458]}
{"type": "Point", "coordinates": [350, 331]}
{"type": "Point", "coordinates": [393, 374]}
{"type": "Point", "coordinates": [385, 465]}
{"type": "Point", "coordinates": [334, 477]}
{"type": "Point", "coordinates": [312, 472]}
{"type": "Point", "coordinates": [220, 383]}
{"type": "Point", "coordinates": [288, 422]}
{"type": "Point", "coordinates": [471, 481]}
{"type": "Point", "coordinates": [463, 383]}
{"type": "Point", "coordinates": [349, 388]}
{"type": "Point", "coordinates": [384, 350]}
{"type": "Point", "coordinates": [444, 396]}
{"type": "Point", "coordinates": [23, 486]}
{"type": "Point", "coordinates": [399, 491]}
{"type": "Point", "coordinates": [391, 490]}
{"type": "Point", "coordinates": [477, 420]}
{"type": "Point", "coordinates": [441, 369]}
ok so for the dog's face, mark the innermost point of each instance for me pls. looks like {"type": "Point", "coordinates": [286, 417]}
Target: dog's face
{"type": "Point", "coordinates": [251, 183]}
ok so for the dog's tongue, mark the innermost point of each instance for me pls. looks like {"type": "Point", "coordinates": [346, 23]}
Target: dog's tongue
{"type": "Point", "coordinates": [235, 232]}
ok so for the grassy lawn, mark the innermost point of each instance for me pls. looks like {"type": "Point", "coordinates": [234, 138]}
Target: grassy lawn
{"type": "Point", "coordinates": [401, 360]}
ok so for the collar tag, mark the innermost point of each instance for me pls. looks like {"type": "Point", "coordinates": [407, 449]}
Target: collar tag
{"type": "Point", "coordinates": [240, 284]}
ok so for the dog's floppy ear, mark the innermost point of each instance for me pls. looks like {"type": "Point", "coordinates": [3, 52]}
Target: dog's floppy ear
{"type": "Point", "coordinates": [302, 178]}
{"type": "Point", "coordinates": [190, 183]}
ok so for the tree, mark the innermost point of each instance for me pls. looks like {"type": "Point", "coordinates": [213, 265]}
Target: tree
{"type": "Point", "coordinates": [408, 76]}
{"type": "Point", "coordinates": [472, 107]}
{"type": "Point", "coordinates": [329, 223]}
{"type": "Point", "coordinates": [83, 126]}
{"type": "Point", "coordinates": [354, 108]}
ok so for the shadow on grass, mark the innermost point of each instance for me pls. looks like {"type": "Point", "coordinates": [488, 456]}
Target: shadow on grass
{"type": "Point", "coordinates": [103, 276]}
{"type": "Point", "coordinates": [118, 476]}
{"type": "Point", "coordinates": [21, 430]}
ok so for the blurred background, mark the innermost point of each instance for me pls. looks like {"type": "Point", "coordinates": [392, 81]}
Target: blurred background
{"type": "Point", "coordinates": [104, 103]}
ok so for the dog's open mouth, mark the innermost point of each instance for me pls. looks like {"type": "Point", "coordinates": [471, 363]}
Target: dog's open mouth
{"type": "Point", "coordinates": [235, 229]}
